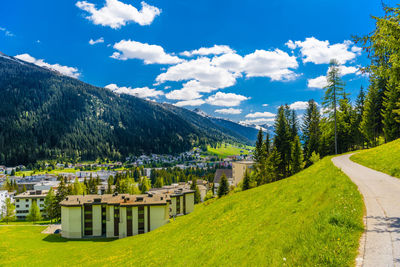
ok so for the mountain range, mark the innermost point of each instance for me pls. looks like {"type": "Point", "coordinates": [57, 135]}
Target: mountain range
{"type": "Point", "coordinates": [47, 115]}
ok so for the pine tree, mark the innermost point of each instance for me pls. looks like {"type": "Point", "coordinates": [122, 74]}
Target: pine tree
{"type": "Point", "coordinates": [282, 142]}
{"type": "Point", "coordinates": [62, 193]}
{"type": "Point", "coordinates": [8, 211]}
{"type": "Point", "coordinates": [391, 123]}
{"type": "Point", "coordinates": [144, 185]}
{"type": "Point", "coordinates": [50, 205]}
{"type": "Point", "coordinates": [77, 187]}
{"type": "Point", "coordinates": [246, 181]}
{"type": "Point", "coordinates": [223, 188]}
{"type": "Point", "coordinates": [23, 189]}
{"type": "Point", "coordinates": [369, 125]}
{"type": "Point", "coordinates": [333, 90]}
{"type": "Point", "coordinates": [359, 113]}
{"type": "Point", "coordinates": [34, 213]}
{"type": "Point", "coordinates": [311, 130]}
{"type": "Point", "coordinates": [197, 196]}
{"type": "Point", "coordinates": [297, 163]}
{"type": "Point", "coordinates": [159, 182]}
{"type": "Point", "coordinates": [258, 151]}
{"type": "Point", "coordinates": [110, 181]}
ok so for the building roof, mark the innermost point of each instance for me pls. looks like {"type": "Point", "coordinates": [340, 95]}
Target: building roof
{"type": "Point", "coordinates": [219, 172]}
{"type": "Point", "coordinates": [33, 194]}
{"type": "Point", "coordinates": [246, 162]}
{"type": "Point", "coordinates": [115, 199]}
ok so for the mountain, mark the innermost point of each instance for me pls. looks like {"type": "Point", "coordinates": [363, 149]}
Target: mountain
{"type": "Point", "coordinates": [248, 131]}
{"type": "Point", "coordinates": [46, 115]}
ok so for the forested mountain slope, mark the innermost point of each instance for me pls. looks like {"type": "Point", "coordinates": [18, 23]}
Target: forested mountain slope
{"type": "Point", "coordinates": [44, 114]}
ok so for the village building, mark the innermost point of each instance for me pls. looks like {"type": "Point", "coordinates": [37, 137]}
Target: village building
{"type": "Point", "coordinates": [24, 201]}
{"type": "Point", "coordinates": [3, 196]}
{"type": "Point", "coordinates": [120, 215]}
{"type": "Point", "coordinates": [239, 169]}
{"type": "Point", "coordinates": [218, 175]}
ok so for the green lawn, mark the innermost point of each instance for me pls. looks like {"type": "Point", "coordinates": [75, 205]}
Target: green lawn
{"type": "Point", "coordinates": [311, 219]}
{"type": "Point", "coordinates": [226, 150]}
{"type": "Point", "coordinates": [384, 158]}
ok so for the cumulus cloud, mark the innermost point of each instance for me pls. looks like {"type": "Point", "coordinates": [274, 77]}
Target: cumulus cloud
{"type": "Point", "coordinates": [93, 42]}
{"type": "Point", "coordinates": [194, 102]}
{"type": "Point", "coordinates": [68, 71]}
{"type": "Point", "coordinates": [205, 51]}
{"type": "Point", "coordinates": [258, 121]}
{"type": "Point", "coordinates": [150, 54]}
{"type": "Point", "coordinates": [274, 64]}
{"type": "Point", "coordinates": [265, 105]}
{"type": "Point", "coordinates": [321, 52]}
{"type": "Point", "coordinates": [142, 92]}
{"type": "Point", "coordinates": [299, 105]}
{"type": "Point", "coordinates": [265, 114]}
{"type": "Point", "coordinates": [116, 14]}
{"type": "Point", "coordinates": [232, 111]}
{"type": "Point", "coordinates": [319, 82]}
{"type": "Point", "coordinates": [200, 70]}
{"type": "Point", "coordinates": [225, 99]}
{"type": "Point", "coordinates": [231, 62]}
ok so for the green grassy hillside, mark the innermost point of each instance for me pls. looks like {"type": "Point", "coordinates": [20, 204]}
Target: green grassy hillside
{"type": "Point", "coordinates": [226, 150]}
{"type": "Point", "coordinates": [311, 219]}
{"type": "Point", "coordinates": [384, 158]}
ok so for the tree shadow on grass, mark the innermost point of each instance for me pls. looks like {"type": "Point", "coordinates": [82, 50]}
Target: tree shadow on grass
{"type": "Point", "coordinates": [56, 238]}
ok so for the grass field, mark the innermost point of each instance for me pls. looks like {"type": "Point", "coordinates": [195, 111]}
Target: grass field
{"type": "Point", "coordinates": [384, 158]}
{"type": "Point", "coordinates": [311, 219]}
{"type": "Point", "coordinates": [226, 150]}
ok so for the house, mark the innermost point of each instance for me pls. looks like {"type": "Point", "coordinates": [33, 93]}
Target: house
{"type": "Point", "coordinates": [24, 201]}
{"type": "Point", "coordinates": [117, 215]}
{"type": "Point", "coordinates": [3, 196]}
{"type": "Point", "coordinates": [218, 175]}
{"type": "Point", "coordinates": [238, 170]}
{"type": "Point", "coordinates": [46, 185]}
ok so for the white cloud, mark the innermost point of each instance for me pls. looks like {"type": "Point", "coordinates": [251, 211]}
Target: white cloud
{"type": "Point", "coordinates": [265, 105]}
{"type": "Point", "coordinates": [258, 121]}
{"type": "Point", "coordinates": [299, 105]}
{"type": "Point", "coordinates": [200, 70]}
{"type": "Point", "coordinates": [231, 62]}
{"type": "Point", "coordinates": [265, 114]}
{"type": "Point", "coordinates": [232, 111]}
{"type": "Point", "coordinates": [6, 32]}
{"type": "Point", "coordinates": [142, 92]}
{"type": "Point", "coordinates": [348, 70]}
{"type": "Point", "coordinates": [225, 99]}
{"type": "Point", "coordinates": [116, 14]}
{"type": "Point", "coordinates": [319, 82]}
{"type": "Point", "coordinates": [190, 90]}
{"type": "Point", "coordinates": [100, 40]}
{"type": "Point", "coordinates": [68, 71]}
{"type": "Point", "coordinates": [275, 64]}
{"type": "Point", "coordinates": [150, 54]}
{"type": "Point", "coordinates": [194, 102]}
{"type": "Point", "coordinates": [205, 51]}
{"type": "Point", "coordinates": [321, 52]}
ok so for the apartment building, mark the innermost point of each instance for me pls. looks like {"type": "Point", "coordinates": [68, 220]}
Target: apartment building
{"type": "Point", "coordinates": [24, 201]}
{"type": "Point", "coordinates": [238, 170]}
{"type": "Point", "coordinates": [3, 196]}
{"type": "Point", "coordinates": [119, 215]}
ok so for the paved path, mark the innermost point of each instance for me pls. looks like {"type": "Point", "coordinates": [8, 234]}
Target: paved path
{"type": "Point", "coordinates": [380, 245]}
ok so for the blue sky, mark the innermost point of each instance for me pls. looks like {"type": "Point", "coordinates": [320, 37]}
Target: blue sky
{"type": "Point", "coordinates": [232, 59]}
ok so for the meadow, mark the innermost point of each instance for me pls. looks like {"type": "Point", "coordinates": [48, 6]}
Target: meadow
{"type": "Point", "coordinates": [313, 218]}
{"type": "Point", "coordinates": [384, 158]}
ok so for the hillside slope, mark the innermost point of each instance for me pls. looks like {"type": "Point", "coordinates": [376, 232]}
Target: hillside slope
{"type": "Point", "coordinates": [384, 158]}
{"type": "Point", "coordinates": [44, 114]}
{"type": "Point", "coordinates": [311, 219]}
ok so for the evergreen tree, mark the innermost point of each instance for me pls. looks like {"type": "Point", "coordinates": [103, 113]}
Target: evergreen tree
{"type": "Point", "coordinates": [369, 125]}
{"type": "Point", "coordinates": [359, 113]}
{"type": "Point", "coordinates": [77, 188]}
{"type": "Point", "coordinates": [144, 185]}
{"type": "Point", "coordinates": [23, 189]}
{"type": "Point", "coordinates": [159, 182]}
{"type": "Point", "coordinates": [8, 211]}
{"type": "Point", "coordinates": [110, 181]}
{"type": "Point", "coordinates": [282, 142]}
{"type": "Point", "coordinates": [197, 196]}
{"type": "Point", "coordinates": [311, 130]}
{"type": "Point", "coordinates": [391, 120]}
{"type": "Point", "coordinates": [333, 90]}
{"type": "Point", "coordinates": [297, 163]}
{"type": "Point", "coordinates": [223, 188]}
{"type": "Point", "coordinates": [62, 193]}
{"type": "Point", "coordinates": [258, 151]}
{"type": "Point", "coordinates": [34, 213]}
{"type": "Point", "coordinates": [50, 205]}
{"type": "Point", "coordinates": [246, 181]}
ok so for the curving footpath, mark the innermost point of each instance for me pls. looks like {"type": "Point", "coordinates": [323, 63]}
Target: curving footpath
{"type": "Point", "coordinates": [380, 245]}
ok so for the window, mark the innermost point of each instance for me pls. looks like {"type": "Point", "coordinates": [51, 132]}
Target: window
{"type": "Point", "coordinates": [42, 199]}
{"type": "Point", "coordinates": [17, 200]}
{"type": "Point", "coordinates": [27, 206]}
{"type": "Point", "coordinates": [17, 206]}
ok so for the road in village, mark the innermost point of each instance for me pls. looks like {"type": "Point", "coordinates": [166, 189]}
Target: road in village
{"type": "Point", "coordinates": [380, 245]}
